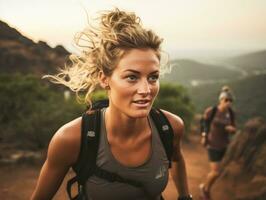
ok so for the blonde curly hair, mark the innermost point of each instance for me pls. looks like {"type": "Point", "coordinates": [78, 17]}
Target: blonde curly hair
{"type": "Point", "coordinates": [117, 32]}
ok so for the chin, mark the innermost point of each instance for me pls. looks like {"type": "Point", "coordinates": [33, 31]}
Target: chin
{"type": "Point", "coordinates": [140, 113]}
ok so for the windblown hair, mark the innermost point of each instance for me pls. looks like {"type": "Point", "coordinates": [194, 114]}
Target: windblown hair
{"type": "Point", "coordinates": [117, 32]}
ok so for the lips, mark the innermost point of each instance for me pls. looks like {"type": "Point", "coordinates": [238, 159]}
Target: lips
{"type": "Point", "coordinates": [142, 102]}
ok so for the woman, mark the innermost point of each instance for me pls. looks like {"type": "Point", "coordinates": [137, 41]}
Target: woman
{"type": "Point", "coordinates": [219, 124]}
{"type": "Point", "coordinates": [124, 59]}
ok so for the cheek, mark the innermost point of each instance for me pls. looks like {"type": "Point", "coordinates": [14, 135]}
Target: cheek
{"type": "Point", "coordinates": [222, 102]}
{"type": "Point", "coordinates": [120, 90]}
{"type": "Point", "coordinates": [155, 89]}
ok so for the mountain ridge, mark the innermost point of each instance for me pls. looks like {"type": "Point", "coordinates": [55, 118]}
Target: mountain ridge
{"type": "Point", "coordinates": [253, 62]}
{"type": "Point", "coordinates": [19, 54]}
{"type": "Point", "coordinates": [190, 73]}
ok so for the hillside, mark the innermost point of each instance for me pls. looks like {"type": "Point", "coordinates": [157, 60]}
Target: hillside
{"type": "Point", "coordinates": [244, 165]}
{"type": "Point", "coordinates": [190, 72]}
{"type": "Point", "coordinates": [252, 63]}
{"type": "Point", "coordinates": [20, 54]}
{"type": "Point", "coordinates": [250, 96]}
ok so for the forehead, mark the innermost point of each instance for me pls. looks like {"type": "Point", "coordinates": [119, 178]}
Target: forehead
{"type": "Point", "coordinates": [139, 59]}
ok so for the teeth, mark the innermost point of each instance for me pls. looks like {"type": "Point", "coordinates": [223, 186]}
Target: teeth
{"type": "Point", "coordinates": [141, 102]}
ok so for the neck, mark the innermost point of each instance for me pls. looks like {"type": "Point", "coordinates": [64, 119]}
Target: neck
{"type": "Point", "coordinates": [222, 107]}
{"type": "Point", "coordinates": [122, 126]}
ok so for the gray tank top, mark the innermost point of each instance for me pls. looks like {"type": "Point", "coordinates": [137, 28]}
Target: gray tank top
{"type": "Point", "coordinates": [153, 174]}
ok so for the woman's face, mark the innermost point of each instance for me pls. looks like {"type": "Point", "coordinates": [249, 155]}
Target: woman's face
{"type": "Point", "coordinates": [134, 83]}
{"type": "Point", "coordinates": [226, 102]}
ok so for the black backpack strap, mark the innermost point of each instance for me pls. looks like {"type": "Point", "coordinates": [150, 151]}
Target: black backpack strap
{"type": "Point", "coordinates": [100, 104]}
{"type": "Point", "coordinates": [80, 192]}
{"type": "Point", "coordinates": [165, 131]}
{"type": "Point", "coordinates": [214, 110]}
{"type": "Point", "coordinates": [86, 164]}
{"type": "Point", "coordinates": [91, 129]}
{"type": "Point", "coordinates": [84, 167]}
{"type": "Point", "coordinates": [112, 177]}
{"type": "Point", "coordinates": [208, 121]}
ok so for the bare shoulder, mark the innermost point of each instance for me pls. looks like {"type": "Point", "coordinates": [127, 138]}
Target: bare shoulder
{"type": "Point", "coordinates": [176, 123]}
{"type": "Point", "coordinates": [65, 144]}
{"type": "Point", "coordinates": [178, 129]}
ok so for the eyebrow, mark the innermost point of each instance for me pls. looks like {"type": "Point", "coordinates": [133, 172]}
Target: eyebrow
{"type": "Point", "coordinates": [137, 72]}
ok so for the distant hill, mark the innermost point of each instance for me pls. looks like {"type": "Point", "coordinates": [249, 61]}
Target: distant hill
{"type": "Point", "coordinates": [190, 72]}
{"type": "Point", "coordinates": [20, 54]}
{"type": "Point", "coordinates": [250, 96]}
{"type": "Point", "coordinates": [252, 62]}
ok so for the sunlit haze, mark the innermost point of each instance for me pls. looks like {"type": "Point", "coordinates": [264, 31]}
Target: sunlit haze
{"type": "Point", "coordinates": [189, 28]}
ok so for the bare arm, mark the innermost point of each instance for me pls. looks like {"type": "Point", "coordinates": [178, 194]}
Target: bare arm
{"type": "Point", "coordinates": [230, 129]}
{"type": "Point", "coordinates": [178, 169]}
{"type": "Point", "coordinates": [62, 153]}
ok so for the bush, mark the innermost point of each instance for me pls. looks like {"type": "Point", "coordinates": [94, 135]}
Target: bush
{"type": "Point", "coordinates": [174, 98]}
{"type": "Point", "coordinates": [31, 111]}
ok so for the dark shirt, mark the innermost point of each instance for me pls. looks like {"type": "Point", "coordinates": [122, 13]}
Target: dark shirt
{"type": "Point", "coordinates": [218, 137]}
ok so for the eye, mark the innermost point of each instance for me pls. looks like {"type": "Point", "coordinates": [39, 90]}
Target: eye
{"type": "Point", "coordinates": [131, 78]}
{"type": "Point", "coordinates": [153, 78]}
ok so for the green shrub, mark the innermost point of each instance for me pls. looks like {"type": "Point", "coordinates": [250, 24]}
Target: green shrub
{"type": "Point", "coordinates": [174, 98]}
{"type": "Point", "coordinates": [31, 111]}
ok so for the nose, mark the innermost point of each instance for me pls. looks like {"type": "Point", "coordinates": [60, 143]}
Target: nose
{"type": "Point", "coordinates": [144, 88]}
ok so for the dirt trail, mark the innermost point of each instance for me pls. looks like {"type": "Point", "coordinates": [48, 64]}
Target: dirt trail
{"type": "Point", "coordinates": [17, 182]}
{"type": "Point", "coordinates": [197, 168]}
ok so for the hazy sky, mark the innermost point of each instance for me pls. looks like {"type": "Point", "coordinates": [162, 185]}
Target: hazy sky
{"type": "Point", "coordinates": [186, 25]}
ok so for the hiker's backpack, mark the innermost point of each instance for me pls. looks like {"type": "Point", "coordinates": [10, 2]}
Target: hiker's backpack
{"type": "Point", "coordinates": [205, 124]}
{"type": "Point", "coordinates": [90, 135]}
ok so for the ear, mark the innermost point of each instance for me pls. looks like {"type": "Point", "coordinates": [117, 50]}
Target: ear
{"type": "Point", "coordinates": [103, 79]}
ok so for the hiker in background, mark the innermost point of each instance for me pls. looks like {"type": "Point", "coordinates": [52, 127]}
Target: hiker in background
{"type": "Point", "coordinates": [125, 60]}
{"type": "Point", "coordinates": [218, 124]}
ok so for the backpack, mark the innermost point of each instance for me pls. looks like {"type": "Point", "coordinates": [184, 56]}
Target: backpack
{"type": "Point", "coordinates": [206, 124]}
{"type": "Point", "coordinates": [86, 163]}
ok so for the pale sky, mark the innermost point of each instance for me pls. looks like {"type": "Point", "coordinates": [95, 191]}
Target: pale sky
{"type": "Point", "coordinates": [187, 26]}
